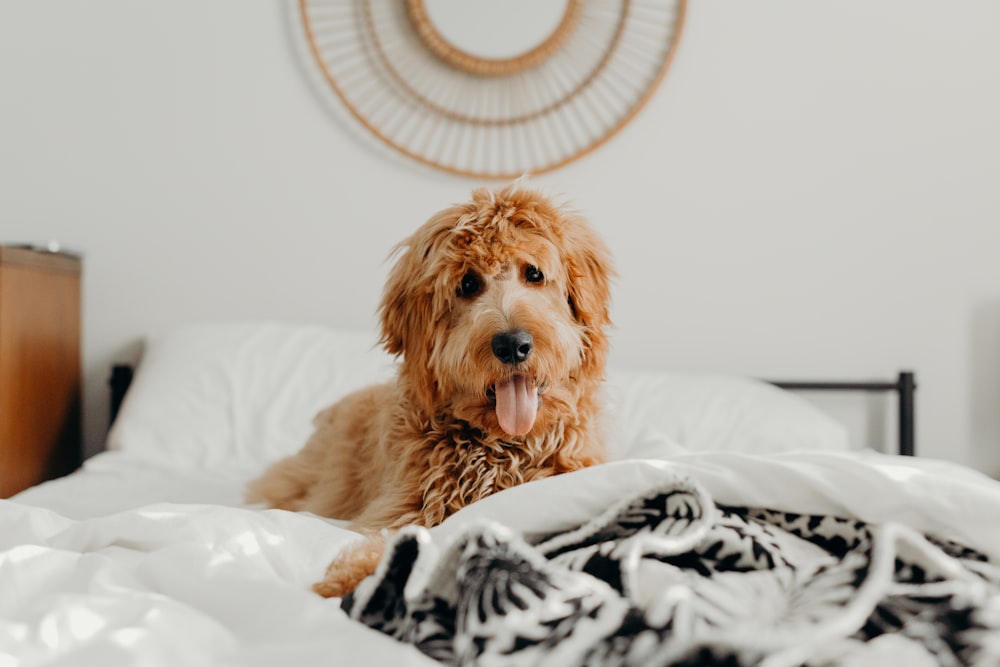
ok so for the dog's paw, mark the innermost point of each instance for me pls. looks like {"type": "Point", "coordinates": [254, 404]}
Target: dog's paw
{"type": "Point", "coordinates": [351, 567]}
{"type": "Point", "coordinates": [334, 588]}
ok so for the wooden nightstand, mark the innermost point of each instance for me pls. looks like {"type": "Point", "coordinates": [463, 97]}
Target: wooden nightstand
{"type": "Point", "coordinates": [40, 385]}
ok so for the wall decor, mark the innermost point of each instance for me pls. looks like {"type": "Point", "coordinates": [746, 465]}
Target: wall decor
{"type": "Point", "coordinates": [487, 89]}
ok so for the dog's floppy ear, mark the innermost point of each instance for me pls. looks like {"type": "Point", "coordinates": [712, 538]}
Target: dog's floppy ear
{"type": "Point", "coordinates": [408, 297]}
{"type": "Point", "coordinates": [402, 311]}
{"type": "Point", "coordinates": [406, 314]}
{"type": "Point", "coordinates": [589, 272]}
{"type": "Point", "coordinates": [411, 307]}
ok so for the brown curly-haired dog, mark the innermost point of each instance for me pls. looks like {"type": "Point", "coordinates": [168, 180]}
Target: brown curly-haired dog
{"type": "Point", "coordinates": [499, 310]}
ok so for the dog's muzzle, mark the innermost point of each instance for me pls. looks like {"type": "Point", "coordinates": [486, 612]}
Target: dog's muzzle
{"type": "Point", "coordinates": [517, 396]}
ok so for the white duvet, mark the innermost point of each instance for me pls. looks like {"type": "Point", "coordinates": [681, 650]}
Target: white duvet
{"type": "Point", "coordinates": [210, 584]}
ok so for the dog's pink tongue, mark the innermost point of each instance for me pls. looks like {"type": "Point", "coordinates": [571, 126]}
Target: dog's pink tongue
{"type": "Point", "coordinates": [517, 404]}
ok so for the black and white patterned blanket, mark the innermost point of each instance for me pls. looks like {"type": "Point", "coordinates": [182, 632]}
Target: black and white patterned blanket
{"type": "Point", "coordinates": [671, 578]}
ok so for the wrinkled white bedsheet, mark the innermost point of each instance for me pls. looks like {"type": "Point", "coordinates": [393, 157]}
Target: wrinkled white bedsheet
{"type": "Point", "coordinates": [210, 584]}
{"type": "Point", "coordinates": [176, 585]}
{"type": "Point", "coordinates": [114, 481]}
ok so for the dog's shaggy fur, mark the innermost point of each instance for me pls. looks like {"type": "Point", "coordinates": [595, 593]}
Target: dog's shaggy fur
{"type": "Point", "coordinates": [498, 309]}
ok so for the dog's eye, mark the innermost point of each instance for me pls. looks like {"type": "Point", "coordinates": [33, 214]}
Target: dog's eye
{"type": "Point", "coordinates": [470, 285]}
{"type": "Point", "coordinates": [533, 275]}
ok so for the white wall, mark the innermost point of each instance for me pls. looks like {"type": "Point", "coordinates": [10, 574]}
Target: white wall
{"type": "Point", "coordinates": [812, 193]}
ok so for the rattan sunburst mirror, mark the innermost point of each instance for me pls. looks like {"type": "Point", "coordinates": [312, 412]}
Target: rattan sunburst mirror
{"type": "Point", "coordinates": [487, 89]}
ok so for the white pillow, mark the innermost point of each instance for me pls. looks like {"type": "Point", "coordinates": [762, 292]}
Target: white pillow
{"type": "Point", "coordinates": [244, 394]}
{"type": "Point", "coordinates": [239, 394]}
{"type": "Point", "coordinates": [654, 412]}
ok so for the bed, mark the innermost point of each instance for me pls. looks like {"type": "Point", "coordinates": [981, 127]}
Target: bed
{"type": "Point", "coordinates": [735, 522]}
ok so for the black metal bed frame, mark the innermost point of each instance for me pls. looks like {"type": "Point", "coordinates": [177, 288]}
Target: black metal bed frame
{"type": "Point", "coordinates": [121, 378]}
{"type": "Point", "coordinates": [905, 386]}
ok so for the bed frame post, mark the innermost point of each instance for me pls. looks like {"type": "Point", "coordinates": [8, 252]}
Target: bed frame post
{"type": "Point", "coordinates": [906, 386]}
{"type": "Point", "coordinates": [121, 378]}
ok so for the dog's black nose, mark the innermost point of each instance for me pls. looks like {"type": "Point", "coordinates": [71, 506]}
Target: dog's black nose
{"type": "Point", "coordinates": [513, 347]}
